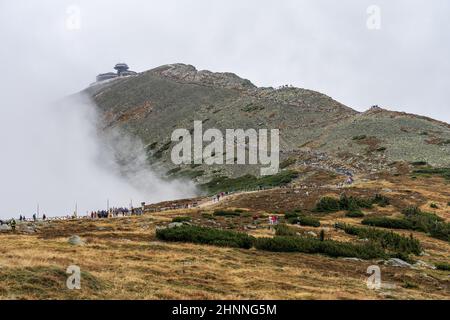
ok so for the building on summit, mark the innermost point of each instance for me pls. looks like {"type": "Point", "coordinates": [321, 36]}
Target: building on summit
{"type": "Point", "coordinates": [122, 71]}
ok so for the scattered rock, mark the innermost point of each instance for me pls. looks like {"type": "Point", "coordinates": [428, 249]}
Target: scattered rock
{"type": "Point", "coordinates": [75, 241]}
{"type": "Point", "coordinates": [5, 227]}
{"type": "Point", "coordinates": [311, 233]}
{"type": "Point", "coordinates": [423, 264]}
{"type": "Point", "coordinates": [250, 226]}
{"type": "Point", "coordinates": [28, 229]}
{"type": "Point", "coordinates": [395, 262]}
{"type": "Point", "coordinates": [352, 259]}
{"type": "Point", "coordinates": [175, 225]}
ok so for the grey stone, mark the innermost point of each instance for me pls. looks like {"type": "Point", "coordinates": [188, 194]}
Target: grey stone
{"type": "Point", "coordinates": [423, 264]}
{"type": "Point", "coordinates": [29, 229]}
{"type": "Point", "coordinates": [5, 227]}
{"type": "Point", "coordinates": [75, 241]}
{"type": "Point", "coordinates": [395, 262]}
{"type": "Point", "coordinates": [175, 225]}
{"type": "Point", "coordinates": [352, 259]}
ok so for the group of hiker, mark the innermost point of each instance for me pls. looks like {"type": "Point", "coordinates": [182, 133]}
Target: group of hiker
{"type": "Point", "coordinates": [217, 197]}
{"type": "Point", "coordinates": [115, 212]}
{"type": "Point", "coordinates": [35, 217]}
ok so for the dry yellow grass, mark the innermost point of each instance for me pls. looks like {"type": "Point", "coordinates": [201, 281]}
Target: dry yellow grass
{"type": "Point", "coordinates": [123, 260]}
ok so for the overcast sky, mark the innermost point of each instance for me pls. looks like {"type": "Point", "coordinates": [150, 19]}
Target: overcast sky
{"type": "Point", "coordinates": [320, 45]}
{"type": "Point", "coordinates": [50, 49]}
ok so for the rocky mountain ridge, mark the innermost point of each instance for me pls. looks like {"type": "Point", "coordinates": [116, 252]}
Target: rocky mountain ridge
{"type": "Point", "coordinates": [312, 125]}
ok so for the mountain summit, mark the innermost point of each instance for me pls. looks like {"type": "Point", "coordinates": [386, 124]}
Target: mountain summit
{"type": "Point", "coordinates": [315, 130]}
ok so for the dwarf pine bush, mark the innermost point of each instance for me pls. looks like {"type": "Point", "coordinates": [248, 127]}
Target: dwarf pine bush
{"type": "Point", "coordinates": [203, 235]}
{"type": "Point", "coordinates": [181, 219]}
{"type": "Point", "coordinates": [386, 239]}
{"type": "Point", "coordinates": [226, 213]}
{"type": "Point", "coordinates": [327, 247]}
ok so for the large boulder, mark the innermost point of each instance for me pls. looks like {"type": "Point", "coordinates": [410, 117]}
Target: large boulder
{"type": "Point", "coordinates": [5, 227]}
{"type": "Point", "coordinates": [175, 225]}
{"type": "Point", "coordinates": [423, 265]}
{"type": "Point", "coordinates": [75, 241]}
{"type": "Point", "coordinates": [395, 262]}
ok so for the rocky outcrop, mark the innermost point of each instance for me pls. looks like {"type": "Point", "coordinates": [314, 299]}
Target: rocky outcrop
{"type": "Point", "coordinates": [316, 131]}
{"type": "Point", "coordinates": [189, 73]}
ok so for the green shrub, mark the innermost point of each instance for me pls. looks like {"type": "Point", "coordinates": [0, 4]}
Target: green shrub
{"type": "Point", "coordinates": [441, 231]}
{"type": "Point", "coordinates": [290, 215]}
{"type": "Point", "coordinates": [330, 204]}
{"type": "Point", "coordinates": [356, 203]}
{"type": "Point", "coordinates": [207, 215]}
{"type": "Point", "coordinates": [284, 230]}
{"type": "Point", "coordinates": [174, 170]}
{"type": "Point", "coordinates": [305, 221]}
{"type": "Point", "coordinates": [443, 266]}
{"type": "Point", "coordinates": [327, 204]}
{"type": "Point", "coordinates": [286, 163]}
{"type": "Point", "coordinates": [387, 240]}
{"type": "Point", "coordinates": [188, 174]}
{"type": "Point", "coordinates": [158, 154]}
{"type": "Point", "coordinates": [411, 211]}
{"type": "Point", "coordinates": [226, 213]}
{"type": "Point", "coordinates": [443, 172]}
{"type": "Point", "coordinates": [381, 200]}
{"type": "Point", "coordinates": [419, 163]}
{"type": "Point", "coordinates": [182, 219]}
{"type": "Point", "coordinates": [348, 203]}
{"type": "Point", "coordinates": [409, 285]}
{"type": "Point", "coordinates": [354, 214]}
{"type": "Point", "coordinates": [415, 220]}
{"type": "Point", "coordinates": [223, 184]}
{"type": "Point", "coordinates": [389, 223]}
{"type": "Point", "coordinates": [313, 245]}
{"type": "Point", "coordinates": [204, 235]}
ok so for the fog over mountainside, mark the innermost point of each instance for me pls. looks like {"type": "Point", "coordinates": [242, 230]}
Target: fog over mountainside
{"type": "Point", "coordinates": [53, 156]}
{"type": "Point", "coordinates": [52, 49]}
{"type": "Point", "coordinates": [314, 128]}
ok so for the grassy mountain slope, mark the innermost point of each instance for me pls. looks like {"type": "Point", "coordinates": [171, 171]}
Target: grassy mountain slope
{"type": "Point", "coordinates": [312, 125]}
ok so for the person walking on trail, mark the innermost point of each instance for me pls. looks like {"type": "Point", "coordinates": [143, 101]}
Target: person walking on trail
{"type": "Point", "coordinates": [44, 217]}
{"type": "Point", "coordinates": [34, 217]}
{"type": "Point", "coordinates": [350, 180]}
{"type": "Point", "coordinates": [13, 225]}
